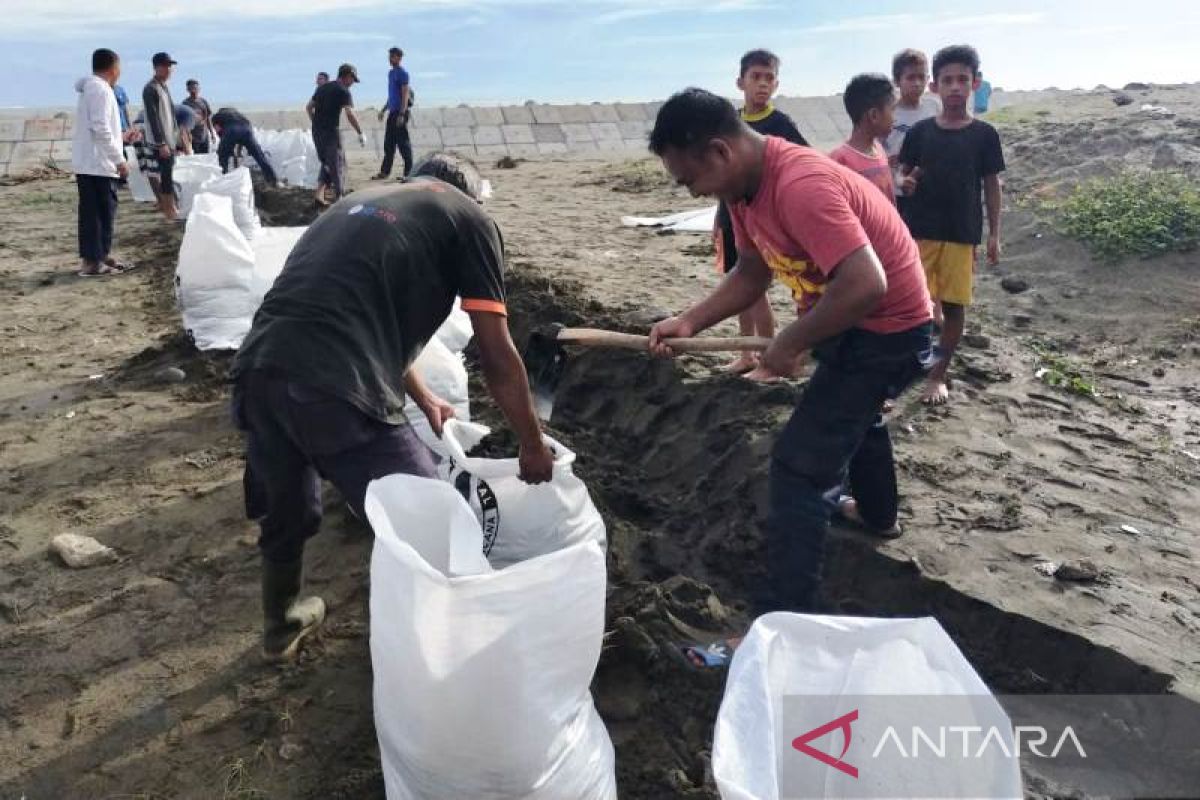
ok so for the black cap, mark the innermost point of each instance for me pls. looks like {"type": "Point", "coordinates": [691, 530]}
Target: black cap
{"type": "Point", "coordinates": [348, 69]}
{"type": "Point", "coordinates": [161, 59]}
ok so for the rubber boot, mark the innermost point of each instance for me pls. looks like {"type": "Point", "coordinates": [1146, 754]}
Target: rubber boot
{"type": "Point", "coordinates": [287, 619]}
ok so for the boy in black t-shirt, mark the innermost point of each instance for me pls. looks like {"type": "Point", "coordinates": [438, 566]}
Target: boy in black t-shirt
{"type": "Point", "coordinates": [947, 162]}
{"type": "Point", "coordinates": [758, 80]}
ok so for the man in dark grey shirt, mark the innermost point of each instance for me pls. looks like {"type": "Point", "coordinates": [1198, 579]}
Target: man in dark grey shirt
{"type": "Point", "coordinates": [202, 133]}
{"type": "Point", "coordinates": [162, 132]}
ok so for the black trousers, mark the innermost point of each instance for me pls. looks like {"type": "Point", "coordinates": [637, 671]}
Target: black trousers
{"type": "Point", "coordinates": [296, 435]}
{"type": "Point", "coordinates": [396, 138]}
{"type": "Point", "coordinates": [235, 135]}
{"type": "Point", "coordinates": [97, 216]}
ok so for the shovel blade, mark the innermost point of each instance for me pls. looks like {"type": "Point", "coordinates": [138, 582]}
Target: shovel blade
{"type": "Point", "coordinates": [545, 361]}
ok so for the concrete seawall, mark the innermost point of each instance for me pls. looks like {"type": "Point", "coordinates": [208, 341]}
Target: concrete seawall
{"type": "Point", "coordinates": [33, 139]}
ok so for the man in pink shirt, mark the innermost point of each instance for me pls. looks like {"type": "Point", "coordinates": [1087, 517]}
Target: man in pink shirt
{"type": "Point", "coordinates": [835, 240]}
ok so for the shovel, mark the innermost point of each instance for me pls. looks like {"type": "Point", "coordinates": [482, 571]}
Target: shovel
{"type": "Point", "coordinates": [546, 358]}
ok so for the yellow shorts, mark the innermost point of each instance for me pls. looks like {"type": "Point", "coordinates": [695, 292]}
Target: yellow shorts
{"type": "Point", "coordinates": [949, 269]}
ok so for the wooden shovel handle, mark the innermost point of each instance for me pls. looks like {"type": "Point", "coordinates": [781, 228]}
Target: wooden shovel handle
{"type": "Point", "coordinates": [592, 337]}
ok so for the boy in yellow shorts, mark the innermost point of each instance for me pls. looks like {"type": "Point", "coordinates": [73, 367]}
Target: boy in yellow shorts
{"type": "Point", "coordinates": [948, 161]}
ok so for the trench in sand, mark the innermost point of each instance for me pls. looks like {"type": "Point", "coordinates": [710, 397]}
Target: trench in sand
{"type": "Point", "coordinates": [676, 460]}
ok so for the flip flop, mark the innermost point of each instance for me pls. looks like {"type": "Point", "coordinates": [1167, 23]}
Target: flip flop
{"type": "Point", "coordinates": [103, 271]}
{"type": "Point", "coordinates": [716, 655]}
{"type": "Point", "coordinates": [121, 266]}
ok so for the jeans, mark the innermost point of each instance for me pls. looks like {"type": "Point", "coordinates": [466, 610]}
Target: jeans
{"type": "Point", "coordinates": [333, 160]}
{"type": "Point", "coordinates": [835, 433]}
{"type": "Point", "coordinates": [235, 135]}
{"type": "Point", "coordinates": [296, 435]}
{"type": "Point", "coordinates": [396, 138]}
{"type": "Point", "coordinates": [97, 216]}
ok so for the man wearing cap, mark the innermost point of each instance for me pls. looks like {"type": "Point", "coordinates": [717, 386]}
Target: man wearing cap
{"type": "Point", "coordinates": [327, 105]}
{"type": "Point", "coordinates": [161, 133]}
{"type": "Point", "coordinates": [321, 379]}
{"type": "Point", "coordinates": [235, 130]}
{"type": "Point", "coordinates": [399, 99]}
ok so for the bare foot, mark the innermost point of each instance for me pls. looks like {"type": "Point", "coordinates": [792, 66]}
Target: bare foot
{"type": "Point", "coordinates": [848, 508]}
{"type": "Point", "coordinates": [936, 393]}
{"type": "Point", "coordinates": [888, 407]}
{"type": "Point", "coordinates": [743, 363]}
{"type": "Point", "coordinates": [762, 375]}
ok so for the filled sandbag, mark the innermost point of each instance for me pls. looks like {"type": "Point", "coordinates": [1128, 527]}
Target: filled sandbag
{"type": "Point", "coordinates": [215, 276]}
{"type": "Point", "coordinates": [519, 520]}
{"type": "Point", "coordinates": [190, 174]}
{"type": "Point", "coordinates": [239, 188]}
{"type": "Point", "coordinates": [446, 376]}
{"type": "Point", "coordinates": [456, 331]}
{"type": "Point", "coordinates": [481, 676]}
{"type": "Point", "coordinates": [808, 700]}
{"type": "Point", "coordinates": [271, 247]}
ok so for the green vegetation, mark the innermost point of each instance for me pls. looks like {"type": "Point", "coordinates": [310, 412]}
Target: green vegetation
{"type": "Point", "coordinates": [1055, 369]}
{"type": "Point", "coordinates": [1134, 214]}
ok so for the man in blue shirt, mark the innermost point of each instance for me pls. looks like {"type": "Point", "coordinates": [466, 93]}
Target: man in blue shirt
{"type": "Point", "coordinates": [398, 102]}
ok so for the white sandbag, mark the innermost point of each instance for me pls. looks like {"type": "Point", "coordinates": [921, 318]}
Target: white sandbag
{"type": "Point", "coordinates": [189, 174]}
{"type": "Point", "coordinates": [271, 247]}
{"type": "Point", "coordinates": [698, 221]}
{"type": "Point", "coordinates": [520, 521]}
{"type": "Point", "coordinates": [446, 376]}
{"type": "Point", "coordinates": [481, 677]}
{"type": "Point", "coordinates": [291, 154]}
{"type": "Point", "coordinates": [215, 276]}
{"type": "Point", "coordinates": [238, 187]}
{"type": "Point", "coordinates": [139, 184]}
{"type": "Point", "coordinates": [456, 331]}
{"type": "Point", "coordinates": [835, 662]}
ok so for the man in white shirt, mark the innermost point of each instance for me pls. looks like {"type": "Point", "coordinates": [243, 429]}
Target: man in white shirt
{"type": "Point", "coordinates": [98, 160]}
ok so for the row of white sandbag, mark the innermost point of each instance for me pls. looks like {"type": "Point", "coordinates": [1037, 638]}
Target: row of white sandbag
{"type": "Point", "coordinates": [487, 620]}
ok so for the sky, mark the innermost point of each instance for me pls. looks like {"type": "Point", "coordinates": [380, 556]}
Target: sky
{"type": "Point", "coordinates": [265, 53]}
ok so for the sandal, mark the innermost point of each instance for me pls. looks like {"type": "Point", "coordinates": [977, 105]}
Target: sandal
{"type": "Point", "coordinates": [102, 271]}
{"type": "Point", "coordinates": [122, 266]}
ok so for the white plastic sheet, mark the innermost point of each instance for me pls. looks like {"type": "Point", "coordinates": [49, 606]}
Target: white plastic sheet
{"type": "Point", "coordinates": [517, 518]}
{"type": "Point", "coordinates": [139, 184]}
{"type": "Point", "coordinates": [833, 657]}
{"type": "Point", "coordinates": [480, 676]}
{"type": "Point", "coordinates": [697, 221]}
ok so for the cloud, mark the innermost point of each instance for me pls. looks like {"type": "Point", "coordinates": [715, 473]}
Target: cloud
{"type": "Point", "coordinates": [630, 9]}
{"type": "Point", "coordinates": [434, 75]}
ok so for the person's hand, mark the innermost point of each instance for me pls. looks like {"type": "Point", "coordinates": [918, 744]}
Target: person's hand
{"type": "Point", "coordinates": [894, 160]}
{"type": "Point", "coordinates": [437, 411]}
{"type": "Point", "coordinates": [362, 138]}
{"type": "Point", "coordinates": [164, 151]}
{"type": "Point", "coordinates": [778, 360]}
{"type": "Point", "coordinates": [537, 462]}
{"type": "Point", "coordinates": [123, 170]}
{"type": "Point", "coordinates": [909, 184]}
{"type": "Point", "coordinates": [670, 328]}
{"type": "Point", "coordinates": [993, 249]}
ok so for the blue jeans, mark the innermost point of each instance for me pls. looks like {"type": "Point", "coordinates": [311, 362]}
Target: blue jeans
{"type": "Point", "coordinates": [235, 135]}
{"type": "Point", "coordinates": [835, 433]}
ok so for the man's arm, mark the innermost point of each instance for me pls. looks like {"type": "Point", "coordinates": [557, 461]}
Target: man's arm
{"type": "Point", "coordinates": [403, 110]}
{"type": "Point", "coordinates": [152, 107]}
{"type": "Point", "coordinates": [855, 287]}
{"type": "Point", "coordinates": [993, 195]}
{"type": "Point", "coordinates": [352, 118]}
{"type": "Point", "coordinates": [310, 108]}
{"type": "Point", "coordinates": [504, 373]}
{"type": "Point", "coordinates": [436, 409]}
{"type": "Point", "coordinates": [740, 289]}
{"type": "Point", "coordinates": [185, 140]}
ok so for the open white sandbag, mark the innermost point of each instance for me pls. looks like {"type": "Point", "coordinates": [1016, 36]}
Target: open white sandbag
{"type": "Point", "coordinates": [456, 331]}
{"type": "Point", "coordinates": [481, 677]}
{"type": "Point", "coordinates": [238, 187]}
{"type": "Point", "coordinates": [839, 665]}
{"type": "Point", "coordinates": [698, 221]}
{"type": "Point", "coordinates": [215, 276]}
{"type": "Point", "coordinates": [519, 520]}
{"type": "Point", "coordinates": [446, 376]}
{"type": "Point", "coordinates": [139, 185]}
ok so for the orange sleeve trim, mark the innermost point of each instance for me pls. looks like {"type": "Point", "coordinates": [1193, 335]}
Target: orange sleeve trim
{"type": "Point", "coordinates": [493, 306]}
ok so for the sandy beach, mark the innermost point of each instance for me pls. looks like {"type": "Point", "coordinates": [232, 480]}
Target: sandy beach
{"type": "Point", "coordinates": [142, 678]}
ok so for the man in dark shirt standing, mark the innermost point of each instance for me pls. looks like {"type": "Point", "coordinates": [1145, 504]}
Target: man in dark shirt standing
{"type": "Point", "coordinates": [234, 130]}
{"type": "Point", "coordinates": [325, 109]}
{"type": "Point", "coordinates": [202, 132]}
{"type": "Point", "coordinates": [399, 99]}
{"type": "Point", "coordinates": [321, 377]}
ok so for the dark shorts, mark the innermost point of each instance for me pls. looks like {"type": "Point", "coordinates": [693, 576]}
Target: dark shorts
{"type": "Point", "coordinates": [166, 175]}
{"type": "Point", "coordinates": [296, 435]}
{"type": "Point", "coordinates": [724, 240]}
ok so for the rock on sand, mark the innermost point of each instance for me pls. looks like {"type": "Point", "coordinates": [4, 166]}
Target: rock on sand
{"type": "Point", "coordinates": [81, 551]}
